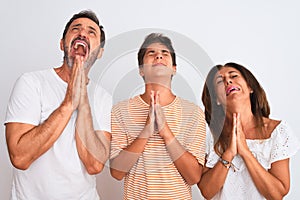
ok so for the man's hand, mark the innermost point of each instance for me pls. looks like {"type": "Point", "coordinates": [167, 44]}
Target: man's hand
{"type": "Point", "coordinates": [73, 93]}
{"type": "Point", "coordinates": [149, 128]}
{"type": "Point", "coordinates": [160, 119]}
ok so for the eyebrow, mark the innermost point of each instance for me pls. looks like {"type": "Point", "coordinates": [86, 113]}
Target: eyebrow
{"type": "Point", "coordinates": [79, 24]}
{"type": "Point", "coordinates": [230, 72]}
{"type": "Point", "coordinates": [157, 49]}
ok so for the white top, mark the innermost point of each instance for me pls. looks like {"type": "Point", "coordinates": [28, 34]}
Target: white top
{"type": "Point", "coordinates": [59, 172]}
{"type": "Point", "coordinates": [238, 185]}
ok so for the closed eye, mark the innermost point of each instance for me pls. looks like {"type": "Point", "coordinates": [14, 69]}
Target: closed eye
{"type": "Point", "coordinates": [151, 52]}
{"type": "Point", "coordinates": [92, 33]}
{"type": "Point", "coordinates": [219, 80]}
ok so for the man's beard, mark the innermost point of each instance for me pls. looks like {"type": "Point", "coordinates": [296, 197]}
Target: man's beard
{"type": "Point", "coordinates": [87, 64]}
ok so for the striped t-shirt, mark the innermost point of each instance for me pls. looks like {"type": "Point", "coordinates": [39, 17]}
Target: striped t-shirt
{"type": "Point", "coordinates": [154, 175]}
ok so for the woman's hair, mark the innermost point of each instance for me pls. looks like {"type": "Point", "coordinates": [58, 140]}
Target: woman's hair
{"type": "Point", "coordinates": [214, 113]}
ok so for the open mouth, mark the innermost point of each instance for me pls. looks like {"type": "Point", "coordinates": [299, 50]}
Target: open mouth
{"type": "Point", "coordinates": [231, 89]}
{"type": "Point", "coordinates": [80, 47]}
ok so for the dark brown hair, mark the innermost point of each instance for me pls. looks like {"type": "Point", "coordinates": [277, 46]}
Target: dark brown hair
{"type": "Point", "coordinates": [215, 115]}
{"type": "Point", "coordinates": [156, 38]}
{"type": "Point", "coordinates": [90, 15]}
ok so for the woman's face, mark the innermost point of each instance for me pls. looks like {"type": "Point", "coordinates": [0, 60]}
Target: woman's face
{"type": "Point", "coordinates": [231, 87]}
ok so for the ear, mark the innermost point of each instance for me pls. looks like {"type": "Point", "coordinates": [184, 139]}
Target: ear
{"type": "Point", "coordinates": [100, 53]}
{"type": "Point", "coordinates": [141, 71]}
{"type": "Point", "coordinates": [218, 102]}
{"type": "Point", "coordinates": [174, 70]}
{"type": "Point", "coordinates": [61, 44]}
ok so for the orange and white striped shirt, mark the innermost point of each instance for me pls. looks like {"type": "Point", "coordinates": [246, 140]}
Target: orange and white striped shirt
{"type": "Point", "coordinates": [154, 175]}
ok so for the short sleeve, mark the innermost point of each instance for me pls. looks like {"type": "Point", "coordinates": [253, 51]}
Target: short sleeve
{"type": "Point", "coordinates": [24, 105]}
{"type": "Point", "coordinates": [195, 141]}
{"type": "Point", "coordinates": [285, 143]}
{"type": "Point", "coordinates": [211, 156]}
{"type": "Point", "coordinates": [102, 109]}
{"type": "Point", "coordinates": [118, 134]}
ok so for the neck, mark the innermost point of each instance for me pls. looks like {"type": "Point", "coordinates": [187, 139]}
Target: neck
{"type": "Point", "coordinates": [166, 95]}
{"type": "Point", "coordinates": [158, 82]}
{"type": "Point", "coordinates": [64, 72]}
{"type": "Point", "coordinates": [246, 116]}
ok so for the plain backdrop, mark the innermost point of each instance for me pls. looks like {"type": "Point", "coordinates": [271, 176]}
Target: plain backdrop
{"type": "Point", "coordinates": [261, 35]}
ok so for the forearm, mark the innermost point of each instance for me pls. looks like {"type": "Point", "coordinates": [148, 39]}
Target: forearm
{"type": "Point", "coordinates": [213, 180]}
{"type": "Point", "coordinates": [121, 165]}
{"type": "Point", "coordinates": [26, 142]}
{"type": "Point", "coordinates": [266, 183]}
{"type": "Point", "coordinates": [93, 146]}
{"type": "Point", "coordinates": [189, 168]}
{"type": "Point", "coordinates": [186, 164]}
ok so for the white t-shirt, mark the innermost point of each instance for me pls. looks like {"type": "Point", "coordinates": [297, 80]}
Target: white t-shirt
{"type": "Point", "coordinates": [238, 185]}
{"type": "Point", "coordinates": [59, 172]}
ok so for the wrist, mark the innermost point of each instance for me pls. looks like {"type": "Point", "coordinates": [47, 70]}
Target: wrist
{"type": "Point", "coordinates": [166, 134]}
{"type": "Point", "coordinates": [66, 107]}
{"type": "Point", "coordinates": [228, 155]}
{"type": "Point", "coordinates": [227, 164]}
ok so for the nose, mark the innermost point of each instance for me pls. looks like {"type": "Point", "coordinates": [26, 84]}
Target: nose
{"type": "Point", "coordinates": [228, 81]}
{"type": "Point", "coordinates": [158, 56]}
{"type": "Point", "coordinates": [83, 33]}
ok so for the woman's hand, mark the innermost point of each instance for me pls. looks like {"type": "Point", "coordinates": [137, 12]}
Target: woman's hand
{"type": "Point", "coordinates": [242, 146]}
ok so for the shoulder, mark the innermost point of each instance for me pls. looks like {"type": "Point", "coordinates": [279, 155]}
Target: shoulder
{"type": "Point", "coordinates": [32, 80]}
{"type": "Point", "coordinates": [38, 74]}
{"type": "Point", "coordinates": [99, 90]}
{"type": "Point", "coordinates": [270, 125]}
{"type": "Point", "coordinates": [190, 106]}
{"type": "Point", "coordinates": [124, 104]}
{"type": "Point", "coordinates": [284, 141]}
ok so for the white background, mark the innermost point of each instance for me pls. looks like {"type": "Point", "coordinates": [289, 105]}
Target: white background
{"type": "Point", "coordinates": [261, 35]}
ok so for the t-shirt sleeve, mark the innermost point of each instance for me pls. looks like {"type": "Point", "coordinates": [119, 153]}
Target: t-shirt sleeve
{"type": "Point", "coordinates": [24, 105]}
{"type": "Point", "coordinates": [118, 134]}
{"type": "Point", "coordinates": [285, 144]}
{"type": "Point", "coordinates": [211, 156]}
{"type": "Point", "coordinates": [102, 112]}
{"type": "Point", "coordinates": [195, 142]}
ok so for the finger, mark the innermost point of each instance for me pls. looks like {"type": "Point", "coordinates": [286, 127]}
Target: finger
{"type": "Point", "coordinates": [152, 98]}
{"type": "Point", "coordinates": [238, 123]}
{"type": "Point", "coordinates": [157, 100]}
{"type": "Point", "coordinates": [234, 123]}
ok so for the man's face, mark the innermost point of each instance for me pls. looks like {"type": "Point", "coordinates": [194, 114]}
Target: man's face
{"type": "Point", "coordinates": [157, 62]}
{"type": "Point", "coordinates": [82, 38]}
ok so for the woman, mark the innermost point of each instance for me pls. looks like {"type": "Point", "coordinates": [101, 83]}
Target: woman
{"type": "Point", "coordinates": [250, 156]}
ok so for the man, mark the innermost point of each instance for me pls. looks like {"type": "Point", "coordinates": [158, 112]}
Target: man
{"type": "Point", "coordinates": [58, 122]}
{"type": "Point", "coordinates": [158, 139]}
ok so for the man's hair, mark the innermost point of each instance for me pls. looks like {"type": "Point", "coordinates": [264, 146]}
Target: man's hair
{"type": "Point", "coordinates": [90, 15]}
{"type": "Point", "coordinates": [156, 38]}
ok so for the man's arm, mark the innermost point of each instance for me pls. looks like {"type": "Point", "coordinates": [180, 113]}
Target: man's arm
{"type": "Point", "coordinates": [128, 156]}
{"type": "Point", "coordinates": [121, 164]}
{"type": "Point", "coordinates": [93, 146]}
{"type": "Point", "coordinates": [185, 162]}
{"type": "Point", "coordinates": [27, 142]}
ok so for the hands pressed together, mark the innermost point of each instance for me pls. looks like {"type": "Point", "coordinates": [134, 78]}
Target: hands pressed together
{"type": "Point", "coordinates": [77, 87]}
{"type": "Point", "coordinates": [156, 120]}
{"type": "Point", "coordinates": [237, 143]}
